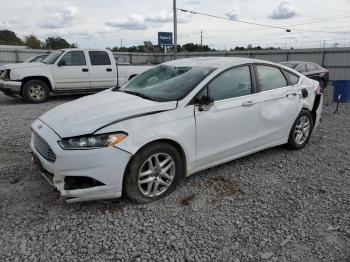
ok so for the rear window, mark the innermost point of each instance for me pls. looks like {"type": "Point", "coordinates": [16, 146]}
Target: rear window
{"type": "Point", "coordinates": [99, 58]}
{"type": "Point", "coordinates": [270, 78]}
{"type": "Point", "coordinates": [292, 78]}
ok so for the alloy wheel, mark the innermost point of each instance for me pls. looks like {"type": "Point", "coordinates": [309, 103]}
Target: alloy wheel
{"type": "Point", "coordinates": [156, 175]}
{"type": "Point", "coordinates": [302, 130]}
{"type": "Point", "coordinates": [37, 92]}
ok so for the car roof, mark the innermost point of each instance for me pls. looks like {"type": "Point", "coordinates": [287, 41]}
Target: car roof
{"type": "Point", "coordinates": [297, 62]}
{"type": "Point", "coordinates": [216, 62]}
{"type": "Point", "coordinates": [84, 49]}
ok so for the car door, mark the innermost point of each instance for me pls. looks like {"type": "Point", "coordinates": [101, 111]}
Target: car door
{"type": "Point", "coordinates": [71, 71]}
{"type": "Point", "coordinates": [228, 127]}
{"type": "Point", "coordinates": [278, 104]}
{"type": "Point", "coordinates": [102, 73]}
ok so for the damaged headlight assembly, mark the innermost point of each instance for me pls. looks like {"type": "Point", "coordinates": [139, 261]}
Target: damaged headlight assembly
{"type": "Point", "coordinates": [93, 141]}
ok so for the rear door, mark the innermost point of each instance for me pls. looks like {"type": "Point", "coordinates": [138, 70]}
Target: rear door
{"type": "Point", "coordinates": [102, 72]}
{"type": "Point", "coordinates": [278, 104]}
{"type": "Point", "coordinates": [229, 126]}
{"type": "Point", "coordinates": [72, 72]}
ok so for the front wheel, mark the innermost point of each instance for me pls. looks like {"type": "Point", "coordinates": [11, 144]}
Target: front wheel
{"type": "Point", "coordinates": [35, 91]}
{"type": "Point", "coordinates": [153, 173]}
{"type": "Point", "coordinates": [301, 130]}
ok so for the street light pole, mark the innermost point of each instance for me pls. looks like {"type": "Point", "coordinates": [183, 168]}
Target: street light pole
{"type": "Point", "coordinates": [175, 29]}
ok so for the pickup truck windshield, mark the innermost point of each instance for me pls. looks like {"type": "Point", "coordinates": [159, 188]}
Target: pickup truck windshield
{"type": "Point", "coordinates": [166, 83]}
{"type": "Point", "coordinates": [52, 57]}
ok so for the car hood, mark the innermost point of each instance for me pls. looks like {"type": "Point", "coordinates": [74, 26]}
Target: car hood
{"type": "Point", "coordinates": [24, 65]}
{"type": "Point", "coordinates": [90, 113]}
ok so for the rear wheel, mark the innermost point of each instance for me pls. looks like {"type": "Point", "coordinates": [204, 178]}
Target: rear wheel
{"type": "Point", "coordinates": [35, 91]}
{"type": "Point", "coordinates": [153, 173]}
{"type": "Point", "coordinates": [301, 130]}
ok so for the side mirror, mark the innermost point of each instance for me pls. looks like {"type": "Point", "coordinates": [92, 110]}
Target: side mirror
{"type": "Point", "coordinates": [204, 103]}
{"type": "Point", "coordinates": [61, 63]}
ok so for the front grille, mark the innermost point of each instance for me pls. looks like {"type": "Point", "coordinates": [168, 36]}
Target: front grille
{"type": "Point", "coordinates": [43, 148]}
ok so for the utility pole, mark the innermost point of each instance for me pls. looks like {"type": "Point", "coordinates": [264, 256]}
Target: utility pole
{"type": "Point", "coordinates": [201, 40]}
{"type": "Point", "coordinates": [175, 29]}
{"type": "Point", "coordinates": [121, 42]}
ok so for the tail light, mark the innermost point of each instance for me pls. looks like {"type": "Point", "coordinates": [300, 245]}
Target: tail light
{"type": "Point", "coordinates": [318, 90]}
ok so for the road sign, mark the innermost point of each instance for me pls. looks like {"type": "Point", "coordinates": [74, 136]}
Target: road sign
{"type": "Point", "coordinates": [165, 38]}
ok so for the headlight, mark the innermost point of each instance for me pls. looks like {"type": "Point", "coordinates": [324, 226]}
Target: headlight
{"type": "Point", "coordinates": [5, 74]}
{"type": "Point", "coordinates": [91, 142]}
{"type": "Point", "coordinates": [14, 75]}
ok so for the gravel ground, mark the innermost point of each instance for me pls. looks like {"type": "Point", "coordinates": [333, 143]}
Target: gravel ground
{"type": "Point", "coordinates": [275, 205]}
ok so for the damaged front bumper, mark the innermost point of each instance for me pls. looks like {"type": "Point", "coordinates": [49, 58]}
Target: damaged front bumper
{"type": "Point", "coordinates": [79, 175]}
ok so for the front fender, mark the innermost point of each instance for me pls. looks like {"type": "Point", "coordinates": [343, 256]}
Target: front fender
{"type": "Point", "coordinates": [173, 125]}
{"type": "Point", "coordinates": [32, 73]}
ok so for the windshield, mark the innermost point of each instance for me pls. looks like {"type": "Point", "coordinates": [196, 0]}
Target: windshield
{"type": "Point", "coordinates": [52, 57]}
{"type": "Point", "coordinates": [166, 83]}
{"type": "Point", "coordinates": [291, 65]}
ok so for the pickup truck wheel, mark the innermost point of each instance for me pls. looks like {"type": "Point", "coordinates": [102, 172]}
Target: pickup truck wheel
{"type": "Point", "coordinates": [35, 91]}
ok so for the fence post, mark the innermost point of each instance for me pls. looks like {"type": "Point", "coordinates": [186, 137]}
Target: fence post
{"type": "Point", "coordinates": [323, 56]}
{"type": "Point", "coordinates": [17, 56]}
{"type": "Point", "coordinates": [130, 58]}
{"type": "Point", "coordinates": [287, 56]}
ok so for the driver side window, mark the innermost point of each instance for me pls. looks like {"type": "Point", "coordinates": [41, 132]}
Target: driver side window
{"type": "Point", "coordinates": [73, 58]}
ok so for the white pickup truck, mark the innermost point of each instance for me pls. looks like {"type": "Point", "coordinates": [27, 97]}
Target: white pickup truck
{"type": "Point", "coordinates": [66, 71]}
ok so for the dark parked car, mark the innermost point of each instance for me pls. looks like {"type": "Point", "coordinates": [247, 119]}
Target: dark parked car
{"type": "Point", "coordinates": [311, 70]}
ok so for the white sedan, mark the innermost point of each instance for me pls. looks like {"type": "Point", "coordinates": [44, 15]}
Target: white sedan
{"type": "Point", "coordinates": [172, 121]}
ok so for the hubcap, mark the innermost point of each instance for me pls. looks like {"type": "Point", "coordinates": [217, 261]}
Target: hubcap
{"type": "Point", "coordinates": [36, 92]}
{"type": "Point", "coordinates": [156, 175]}
{"type": "Point", "coordinates": [302, 130]}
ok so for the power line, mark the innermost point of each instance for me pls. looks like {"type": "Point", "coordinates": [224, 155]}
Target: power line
{"type": "Point", "coordinates": [258, 24]}
{"type": "Point", "coordinates": [319, 6]}
{"type": "Point", "coordinates": [310, 21]}
{"type": "Point", "coordinates": [266, 7]}
{"type": "Point", "coordinates": [235, 20]}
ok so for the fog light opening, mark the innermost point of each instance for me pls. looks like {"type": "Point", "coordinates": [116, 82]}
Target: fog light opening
{"type": "Point", "coordinates": [80, 182]}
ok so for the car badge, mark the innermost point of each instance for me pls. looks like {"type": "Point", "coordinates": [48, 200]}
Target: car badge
{"type": "Point", "coordinates": [40, 126]}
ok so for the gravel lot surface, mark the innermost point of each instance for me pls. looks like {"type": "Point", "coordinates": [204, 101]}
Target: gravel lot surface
{"type": "Point", "coordinates": [275, 205]}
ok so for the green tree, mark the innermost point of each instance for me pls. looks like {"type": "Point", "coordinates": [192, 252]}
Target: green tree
{"type": "Point", "coordinates": [8, 37]}
{"type": "Point", "coordinates": [57, 43]}
{"type": "Point", "coordinates": [32, 41]}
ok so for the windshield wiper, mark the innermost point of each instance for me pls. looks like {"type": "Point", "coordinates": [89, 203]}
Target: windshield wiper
{"type": "Point", "coordinates": [137, 94]}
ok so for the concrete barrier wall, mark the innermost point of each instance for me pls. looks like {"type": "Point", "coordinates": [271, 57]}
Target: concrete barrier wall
{"type": "Point", "coordinates": [336, 60]}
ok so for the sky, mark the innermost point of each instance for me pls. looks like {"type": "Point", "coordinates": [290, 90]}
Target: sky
{"type": "Point", "coordinates": [109, 23]}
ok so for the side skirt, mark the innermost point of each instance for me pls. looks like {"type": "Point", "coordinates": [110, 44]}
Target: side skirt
{"type": "Point", "coordinates": [228, 159]}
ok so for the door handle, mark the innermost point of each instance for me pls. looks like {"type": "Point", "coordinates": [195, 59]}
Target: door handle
{"type": "Point", "coordinates": [85, 70]}
{"type": "Point", "coordinates": [291, 94]}
{"type": "Point", "coordinates": [248, 103]}
{"type": "Point", "coordinates": [109, 69]}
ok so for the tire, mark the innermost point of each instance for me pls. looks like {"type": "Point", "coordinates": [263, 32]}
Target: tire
{"type": "Point", "coordinates": [136, 186]}
{"type": "Point", "coordinates": [322, 85]}
{"type": "Point", "coordinates": [35, 91]}
{"type": "Point", "coordinates": [299, 136]}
